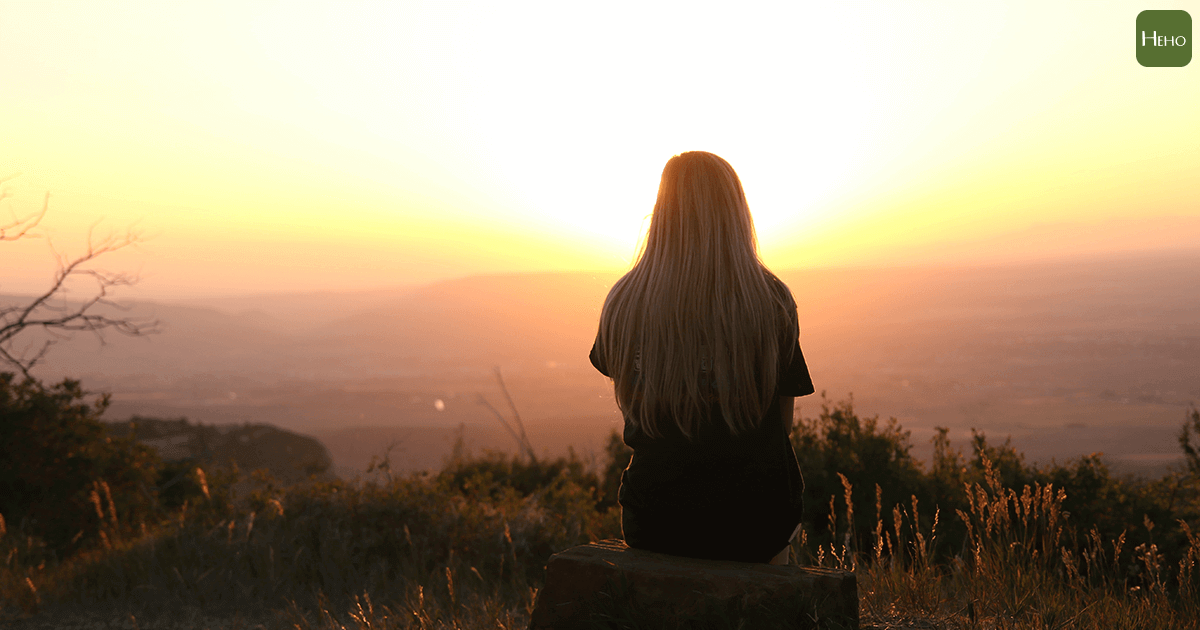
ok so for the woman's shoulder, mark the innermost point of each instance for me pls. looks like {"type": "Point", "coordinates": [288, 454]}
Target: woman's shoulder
{"type": "Point", "coordinates": [781, 289]}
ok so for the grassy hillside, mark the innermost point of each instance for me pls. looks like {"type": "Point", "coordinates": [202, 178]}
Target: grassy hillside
{"type": "Point", "coordinates": [981, 539]}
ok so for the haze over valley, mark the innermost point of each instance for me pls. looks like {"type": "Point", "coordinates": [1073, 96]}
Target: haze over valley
{"type": "Point", "coordinates": [1068, 357]}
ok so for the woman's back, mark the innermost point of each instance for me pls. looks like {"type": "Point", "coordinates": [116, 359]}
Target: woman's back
{"type": "Point", "coordinates": [701, 341]}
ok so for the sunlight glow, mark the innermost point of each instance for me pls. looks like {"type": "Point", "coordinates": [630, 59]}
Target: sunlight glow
{"type": "Point", "coordinates": [359, 144]}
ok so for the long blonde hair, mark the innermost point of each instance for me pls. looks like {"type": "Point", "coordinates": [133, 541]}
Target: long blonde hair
{"type": "Point", "coordinates": [699, 319]}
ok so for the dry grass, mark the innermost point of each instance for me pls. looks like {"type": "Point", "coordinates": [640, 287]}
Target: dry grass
{"type": "Point", "coordinates": [1020, 567]}
{"type": "Point", "coordinates": [410, 553]}
{"type": "Point", "coordinates": [416, 552]}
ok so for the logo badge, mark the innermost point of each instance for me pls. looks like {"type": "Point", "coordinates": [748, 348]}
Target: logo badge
{"type": "Point", "coordinates": [1164, 39]}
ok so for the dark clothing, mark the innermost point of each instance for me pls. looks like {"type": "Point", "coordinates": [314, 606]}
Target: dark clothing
{"type": "Point", "coordinates": [717, 496]}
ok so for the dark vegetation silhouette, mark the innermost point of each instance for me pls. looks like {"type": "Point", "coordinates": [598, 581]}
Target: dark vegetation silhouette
{"type": "Point", "coordinates": [93, 520]}
{"type": "Point", "coordinates": [288, 456]}
{"type": "Point", "coordinates": [62, 476]}
{"type": "Point", "coordinates": [846, 456]}
{"type": "Point", "coordinates": [79, 483]}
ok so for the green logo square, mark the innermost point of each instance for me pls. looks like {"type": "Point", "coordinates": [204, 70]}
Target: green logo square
{"type": "Point", "coordinates": [1164, 38]}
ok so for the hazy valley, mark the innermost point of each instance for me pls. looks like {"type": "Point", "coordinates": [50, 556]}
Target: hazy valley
{"type": "Point", "coordinates": [1068, 357]}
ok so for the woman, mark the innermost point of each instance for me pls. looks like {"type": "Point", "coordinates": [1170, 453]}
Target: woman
{"type": "Point", "coordinates": [702, 344]}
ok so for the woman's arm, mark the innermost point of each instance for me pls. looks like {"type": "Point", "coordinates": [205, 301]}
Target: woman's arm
{"type": "Point", "coordinates": [787, 407]}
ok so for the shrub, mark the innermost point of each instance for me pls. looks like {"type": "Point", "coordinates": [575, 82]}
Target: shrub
{"type": "Point", "coordinates": [839, 447]}
{"type": "Point", "coordinates": [496, 473]}
{"type": "Point", "coordinates": [63, 479]}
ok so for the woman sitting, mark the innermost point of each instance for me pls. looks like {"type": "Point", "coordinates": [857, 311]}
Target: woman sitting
{"type": "Point", "coordinates": [702, 343]}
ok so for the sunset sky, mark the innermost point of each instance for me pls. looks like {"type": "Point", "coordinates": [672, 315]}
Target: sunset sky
{"type": "Point", "coordinates": [264, 146]}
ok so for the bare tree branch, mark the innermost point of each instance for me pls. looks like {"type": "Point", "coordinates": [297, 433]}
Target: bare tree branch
{"type": "Point", "coordinates": [18, 227]}
{"type": "Point", "coordinates": [516, 416]}
{"type": "Point", "coordinates": [50, 311]}
{"type": "Point", "coordinates": [507, 427]}
{"type": "Point", "coordinates": [517, 434]}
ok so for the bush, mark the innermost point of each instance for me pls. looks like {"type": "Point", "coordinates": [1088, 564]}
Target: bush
{"type": "Point", "coordinates": [494, 474]}
{"type": "Point", "coordinates": [62, 477]}
{"type": "Point", "coordinates": [466, 547]}
{"type": "Point", "coordinates": [837, 446]}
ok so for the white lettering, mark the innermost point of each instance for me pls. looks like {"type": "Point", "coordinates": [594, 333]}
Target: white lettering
{"type": "Point", "coordinates": [1163, 40]}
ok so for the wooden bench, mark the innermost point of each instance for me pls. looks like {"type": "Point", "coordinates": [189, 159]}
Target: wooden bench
{"type": "Point", "coordinates": [607, 584]}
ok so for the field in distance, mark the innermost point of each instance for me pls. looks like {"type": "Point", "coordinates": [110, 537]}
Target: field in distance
{"type": "Point", "coordinates": [1069, 357]}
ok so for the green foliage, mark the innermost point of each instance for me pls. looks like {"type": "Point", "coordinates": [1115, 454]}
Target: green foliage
{"type": "Point", "coordinates": [1006, 461]}
{"type": "Point", "coordinates": [62, 477]}
{"type": "Point", "coordinates": [1018, 568]}
{"type": "Point", "coordinates": [442, 546]}
{"type": "Point", "coordinates": [840, 452]}
{"type": "Point", "coordinates": [948, 473]}
{"type": "Point", "coordinates": [1014, 545]}
{"type": "Point", "coordinates": [497, 474]}
{"type": "Point", "coordinates": [838, 444]}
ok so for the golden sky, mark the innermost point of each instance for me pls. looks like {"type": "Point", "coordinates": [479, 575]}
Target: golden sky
{"type": "Point", "coordinates": [264, 146]}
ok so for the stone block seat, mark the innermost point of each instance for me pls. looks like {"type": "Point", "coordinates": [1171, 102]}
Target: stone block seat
{"type": "Point", "coordinates": [606, 584]}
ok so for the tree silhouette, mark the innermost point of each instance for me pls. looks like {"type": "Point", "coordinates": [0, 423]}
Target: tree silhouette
{"type": "Point", "coordinates": [63, 479]}
{"type": "Point", "coordinates": [1191, 452]}
{"type": "Point", "coordinates": [50, 311]}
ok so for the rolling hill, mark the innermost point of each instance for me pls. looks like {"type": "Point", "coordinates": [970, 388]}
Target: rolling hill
{"type": "Point", "coordinates": [1068, 357]}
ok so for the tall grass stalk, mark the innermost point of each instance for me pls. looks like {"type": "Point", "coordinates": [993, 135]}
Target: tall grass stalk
{"type": "Point", "coordinates": [411, 553]}
{"type": "Point", "coordinates": [466, 550]}
{"type": "Point", "coordinates": [1021, 566]}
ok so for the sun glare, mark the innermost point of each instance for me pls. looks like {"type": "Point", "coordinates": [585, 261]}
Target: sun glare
{"type": "Point", "coordinates": [532, 136]}
{"type": "Point", "coordinates": [577, 141]}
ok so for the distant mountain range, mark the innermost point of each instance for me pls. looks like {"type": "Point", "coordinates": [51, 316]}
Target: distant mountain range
{"type": "Point", "coordinates": [1108, 344]}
